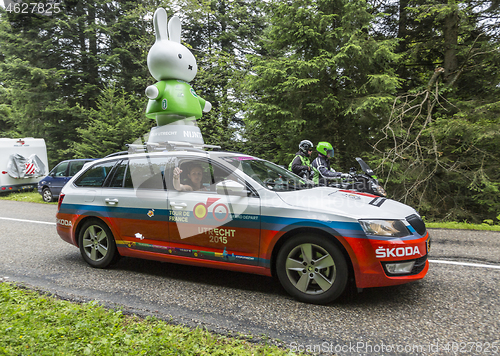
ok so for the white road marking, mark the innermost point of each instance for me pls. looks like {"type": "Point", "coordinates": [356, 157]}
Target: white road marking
{"type": "Point", "coordinates": [464, 264]}
{"type": "Point", "coordinates": [30, 221]}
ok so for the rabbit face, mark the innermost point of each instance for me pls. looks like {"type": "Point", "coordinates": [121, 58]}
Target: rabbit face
{"type": "Point", "coordinates": [171, 60]}
{"type": "Point", "coordinates": [168, 58]}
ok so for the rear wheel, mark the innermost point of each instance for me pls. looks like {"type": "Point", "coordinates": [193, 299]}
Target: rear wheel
{"type": "Point", "coordinates": [312, 269]}
{"type": "Point", "coordinates": [47, 195]}
{"type": "Point", "coordinates": [97, 244]}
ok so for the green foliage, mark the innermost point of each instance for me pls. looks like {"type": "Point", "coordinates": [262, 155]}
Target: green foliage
{"type": "Point", "coordinates": [221, 33]}
{"type": "Point", "coordinates": [117, 121]}
{"type": "Point", "coordinates": [445, 165]}
{"type": "Point", "coordinates": [325, 79]}
{"type": "Point", "coordinates": [40, 324]}
{"type": "Point", "coordinates": [440, 149]}
{"type": "Point", "coordinates": [53, 68]}
{"type": "Point", "coordinates": [410, 86]}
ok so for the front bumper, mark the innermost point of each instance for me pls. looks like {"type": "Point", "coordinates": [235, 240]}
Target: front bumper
{"type": "Point", "coordinates": [372, 258]}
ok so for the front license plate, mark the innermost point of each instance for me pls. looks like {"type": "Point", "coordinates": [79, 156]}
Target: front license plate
{"type": "Point", "coordinates": [428, 244]}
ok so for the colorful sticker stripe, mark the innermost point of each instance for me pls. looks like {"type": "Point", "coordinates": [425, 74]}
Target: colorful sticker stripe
{"type": "Point", "coordinates": [274, 223]}
{"type": "Point", "coordinates": [195, 253]}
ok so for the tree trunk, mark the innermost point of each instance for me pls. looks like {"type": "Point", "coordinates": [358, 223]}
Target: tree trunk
{"type": "Point", "coordinates": [93, 66]}
{"type": "Point", "coordinates": [402, 25]}
{"type": "Point", "coordinates": [450, 30]}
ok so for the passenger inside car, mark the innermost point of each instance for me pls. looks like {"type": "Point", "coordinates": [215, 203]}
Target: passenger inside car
{"type": "Point", "coordinates": [193, 180]}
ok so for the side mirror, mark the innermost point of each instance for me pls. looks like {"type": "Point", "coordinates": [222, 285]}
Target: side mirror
{"type": "Point", "coordinates": [230, 187]}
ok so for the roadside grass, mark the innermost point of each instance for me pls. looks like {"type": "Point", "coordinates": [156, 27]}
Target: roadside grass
{"type": "Point", "coordinates": [462, 226]}
{"type": "Point", "coordinates": [37, 324]}
{"type": "Point", "coordinates": [31, 197]}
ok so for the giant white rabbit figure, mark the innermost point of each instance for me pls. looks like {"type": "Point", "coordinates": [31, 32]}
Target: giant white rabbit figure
{"type": "Point", "coordinates": [173, 65]}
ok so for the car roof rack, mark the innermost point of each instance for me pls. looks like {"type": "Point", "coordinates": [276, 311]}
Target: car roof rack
{"type": "Point", "coordinates": [169, 146]}
{"type": "Point", "coordinates": [116, 154]}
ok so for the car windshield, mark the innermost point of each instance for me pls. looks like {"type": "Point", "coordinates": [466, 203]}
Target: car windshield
{"type": "Point", "coordinates": [267, 174]}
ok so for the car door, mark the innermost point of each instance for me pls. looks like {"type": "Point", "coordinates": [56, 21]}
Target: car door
{"type": "Point", "coordinates": [136, 199]}
{"type": "Point", "coordinates": [59, 177]}
{"type": "Point", "coordinates": [212, 224]}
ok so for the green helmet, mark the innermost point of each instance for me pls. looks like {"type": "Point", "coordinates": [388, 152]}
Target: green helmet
{"type": "Point", "coordinates": [325, 148]}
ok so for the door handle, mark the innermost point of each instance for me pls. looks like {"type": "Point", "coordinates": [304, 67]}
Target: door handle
{"type": "Point", "coordinates": [178, 205]}
{"type": "Point", "coordinates": [111, 201]}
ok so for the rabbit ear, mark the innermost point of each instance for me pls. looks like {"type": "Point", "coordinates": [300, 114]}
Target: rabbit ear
{"type": "Point", "coordinates": [160, 23]}
{"type": "Point", "coordinates": [174, 29]}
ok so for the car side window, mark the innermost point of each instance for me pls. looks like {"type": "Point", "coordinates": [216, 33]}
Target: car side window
{"type": "Point", "coordinates": [145, 173]}
{"type": "Point", "coordinates": [119, 176]}
{"type": "Point", "coordinates": [190, 174]}
{"type": "Point", "coordinates": [96, 175]}
{"type": "Point", "coordinates": [127, 183]}
{"type": "Point", "coordinates": [60, 170]}
{"type": "Point", "coordinates": [74, 167]}
{"type": "Point", "coordinates": [222, 174]}
{"type": "Point", "coordinates": [211, 174]}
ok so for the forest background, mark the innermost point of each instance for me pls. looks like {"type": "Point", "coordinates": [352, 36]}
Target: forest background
{"type": "Point", "coordinates": [411, 86]}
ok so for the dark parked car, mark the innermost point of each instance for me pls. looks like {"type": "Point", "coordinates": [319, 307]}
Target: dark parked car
{"type": "Point", "coordinates": [50, 186]}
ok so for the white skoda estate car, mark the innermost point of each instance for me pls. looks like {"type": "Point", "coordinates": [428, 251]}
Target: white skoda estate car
{"type": "Point", "coordinates": [234, 211]}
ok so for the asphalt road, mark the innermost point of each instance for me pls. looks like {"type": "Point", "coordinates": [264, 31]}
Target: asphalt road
{"type": "Point", "coordinates": [455, 306]}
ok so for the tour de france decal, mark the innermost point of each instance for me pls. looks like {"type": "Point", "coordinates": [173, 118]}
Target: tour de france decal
{"type": "Point", "coordinates": [220, 211]}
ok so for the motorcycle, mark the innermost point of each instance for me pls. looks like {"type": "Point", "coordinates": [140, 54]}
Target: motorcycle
{"type": "Point", "coordinates": [365, 182]}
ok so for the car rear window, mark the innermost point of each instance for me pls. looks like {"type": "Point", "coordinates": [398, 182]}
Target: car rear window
{"type": "Point", "coordinates": [95, 176]}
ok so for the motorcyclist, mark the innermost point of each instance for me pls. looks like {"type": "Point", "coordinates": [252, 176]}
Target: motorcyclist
{"type": "Point", "coordinates": [322, 165]}
{"type": "Point", "coordinates": [301, 163]}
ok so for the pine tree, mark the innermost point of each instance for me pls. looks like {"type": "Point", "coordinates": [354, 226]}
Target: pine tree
{"type": "Point", "coordinates": [116, 122]}
{"type": "Point", "coordinates": [324, 78]}
{"type": "Point", "coordinates": [220, 33]}
{"type": "Point", "coordinates": [53, 68]}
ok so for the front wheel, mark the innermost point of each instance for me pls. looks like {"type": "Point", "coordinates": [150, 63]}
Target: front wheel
{"type": "Point", "coordinates": [97, 244]}
{"type": "Point", "coordinates": [312, 269]}
{"type": "Point", "coordinates": [47, 195]}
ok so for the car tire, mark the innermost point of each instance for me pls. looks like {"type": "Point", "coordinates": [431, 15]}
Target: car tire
{"type": "Point", "coordinates": [97, 244]}
{"type": "Point", "coordinates": [312, 269]}
{"type": "Point", "coordinates": [47, 195]}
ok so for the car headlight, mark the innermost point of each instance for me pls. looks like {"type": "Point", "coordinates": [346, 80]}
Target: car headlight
{"type": "Point", "coordinates": [384, 228]}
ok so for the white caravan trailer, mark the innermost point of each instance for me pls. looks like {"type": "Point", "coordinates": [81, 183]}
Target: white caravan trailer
{"type": "Point", "coordinates": [23, 162]}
